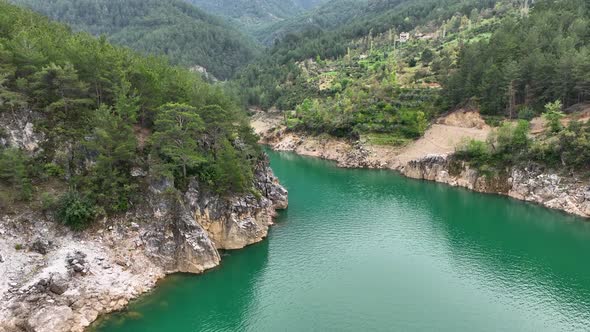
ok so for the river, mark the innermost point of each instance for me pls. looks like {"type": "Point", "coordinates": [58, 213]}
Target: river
{"type": "Point", "coordinates": [366, 250]}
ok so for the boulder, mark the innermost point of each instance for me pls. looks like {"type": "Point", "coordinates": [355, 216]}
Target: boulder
{"type": "Point", "coordinates": [77, 262]}
{"type": "Point", "coordinates": [41, 246]}
{"type": "Point", "coordinates": [58, 285]}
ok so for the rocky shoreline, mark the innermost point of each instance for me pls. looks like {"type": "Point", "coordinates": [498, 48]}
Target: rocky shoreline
{"type": "Point", "coordinates": [53, 279]}
{"type": "Point", "coordinates": [428, 162]}
{"type": "Point", "coordinates": [531, 183]}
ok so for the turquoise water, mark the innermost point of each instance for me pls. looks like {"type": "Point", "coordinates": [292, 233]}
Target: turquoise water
{"type": "Point", "coordinates": [362, 250]}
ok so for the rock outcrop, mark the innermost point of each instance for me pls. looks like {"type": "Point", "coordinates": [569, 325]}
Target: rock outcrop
{"type": "Point", "coordinates": [241, 220]}
{"type": "Point", "coordinates": [66, 279]}
{"type": "Point", "coordinates": [18, 131]}
{"type": "Point", "coordinates": [532, 183]}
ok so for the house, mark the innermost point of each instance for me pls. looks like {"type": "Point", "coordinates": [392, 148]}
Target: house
{"type": "Point", "coordinates": [404, 37]}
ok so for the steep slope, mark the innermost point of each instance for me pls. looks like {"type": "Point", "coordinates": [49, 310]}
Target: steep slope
{"type": "Point", "coordinates": [91, 112]}
{"type": "Point", "coordinates": [185, 34]}
{"type": "Point", "coordinates": [326, 16]}
{"type": "Point", "coordinates": [255, 12]}
{"type": "Point", "coordinates": [385, 76]}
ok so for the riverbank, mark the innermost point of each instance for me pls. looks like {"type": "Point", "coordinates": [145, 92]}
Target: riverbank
{"type": "Point", "coordinates": [431, 158]}
{"type": "Point", "coordinates": [53, 279]}
{"type": "Point", "coordinates": [373, 250]}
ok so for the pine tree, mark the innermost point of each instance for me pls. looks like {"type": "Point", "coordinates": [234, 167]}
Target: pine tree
{"type": "Point", "coordinates": [178, 129]}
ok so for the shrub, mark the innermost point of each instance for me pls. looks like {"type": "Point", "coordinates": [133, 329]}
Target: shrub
{"type": "Point", "coordinates": [553, 115]}
{"type": "Point", "coordinates": [526, 113]}
{"type": "Point", "coordinates": [47, 201]}
{"type": "Point", "coordinates": [476, 152]}
{"type": "Point", "coordinates": [75, 211]}
{"type": "Point", "coordinates": [493, 121]}
{"type": "Point", "coordinates": [53, 169]}
{"type": "Point", "coordinates": [292, 123]}
{"type": "Point", "coordinates": [512, 138]}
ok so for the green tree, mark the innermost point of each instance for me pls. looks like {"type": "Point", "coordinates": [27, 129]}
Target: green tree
{"type": "Point", "coordinates": [553, 115]}
{"type": "Point", "coordinates": [63, 98]}
{"type": "Point", "coordinates": [14, 171]}
{"type": "Point", "coordinates": [127, 103]}
{"type": "Point", "coordinates": [427, 56]}
{"type": "Point", "coordinates": [178, 130]}
{"type": "Point", "coordinates": [232, 174]}
{"type": "Point", "coordinates": [115, 144]}
{"type": "Point", "coordinates": [10, 100]}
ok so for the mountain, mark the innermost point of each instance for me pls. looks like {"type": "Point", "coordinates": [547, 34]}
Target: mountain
{"type": "Point", "coordinates": [324, 16]}
{"type": "Point", "coordinates": [185, 34]}
{"type": "Point", "coordinates": [255, 12]}
{"type": "Point", "coordinates": [369, 28]}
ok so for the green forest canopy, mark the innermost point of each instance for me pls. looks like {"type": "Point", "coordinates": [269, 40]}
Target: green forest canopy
{"type": "Point", "coordinates": [528, 62]}
{"type": "Point", "coordinates": [187, 35]}
{"type": "Point", "coordinates": [255, 12]}
{"type": "Point", "coordinates": [105, 110]}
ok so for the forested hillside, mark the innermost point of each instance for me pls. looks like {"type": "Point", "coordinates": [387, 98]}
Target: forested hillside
{"type": "Point", "coordinates": [326, 16]}
{"type": "Point", "coordinates": [103, 114]}
{"type": "Point", "coordinates": [534, 64]}
{"type": "Point", "coordinates": [385, 70]}
{"type": "Point", "coordinates": [528, 62]}
{"type": "Point", "coordinates": [355, 78]}
{"type": "Point", "coordinates": [255, 12]}
{"type": "Point", "coordinates": [187, 35]}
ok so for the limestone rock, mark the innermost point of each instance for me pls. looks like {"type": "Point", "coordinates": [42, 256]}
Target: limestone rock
{"type": "Point", "coordinates": [20, 131]}
{"type": "Point", "coordinates": [531, 183]}
{"type": "Point", "coordinates": [50, 319]}
{"type": "Point", "coordinates": [86, 274]}
{"type": "Point", "coordinates": [41, 246]}
{"type": "Point", "coordinates": [58, 285]}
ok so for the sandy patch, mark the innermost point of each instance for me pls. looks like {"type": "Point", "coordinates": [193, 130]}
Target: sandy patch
{"type": "Point", "coordinates": [441, 138]}
{"type": "Point", "coordinates": [263, 122]}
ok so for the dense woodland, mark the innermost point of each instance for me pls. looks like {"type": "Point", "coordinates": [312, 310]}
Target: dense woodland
{"type": "Point", "coordinates": [250, 13]}
{"type": "Point", "coordinates": [528, 62]}
{"type": "Point", "coordinates": [185, 34]}
{"type": "Point", "coordinates": [105, 111]}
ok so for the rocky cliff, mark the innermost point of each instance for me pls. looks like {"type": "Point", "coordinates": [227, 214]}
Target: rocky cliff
{"type": "Point", "coordinates": [52, 279]}
{"type": "Point", "coordinates": [532, 183]}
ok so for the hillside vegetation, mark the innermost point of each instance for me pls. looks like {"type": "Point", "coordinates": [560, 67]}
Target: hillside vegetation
{"type": "Point", "coordinates": [251, 13]}
{"type": "Point", "coordinates": [356, 79]}
{"type": "Point", "coordinates": [349, 75]}
{"type": "Point", "coordinates": [325, 16]}
{"type": "Point", "coordinates": [185, 34]}
{"type": "Point", "coordinates": [106, 113]}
